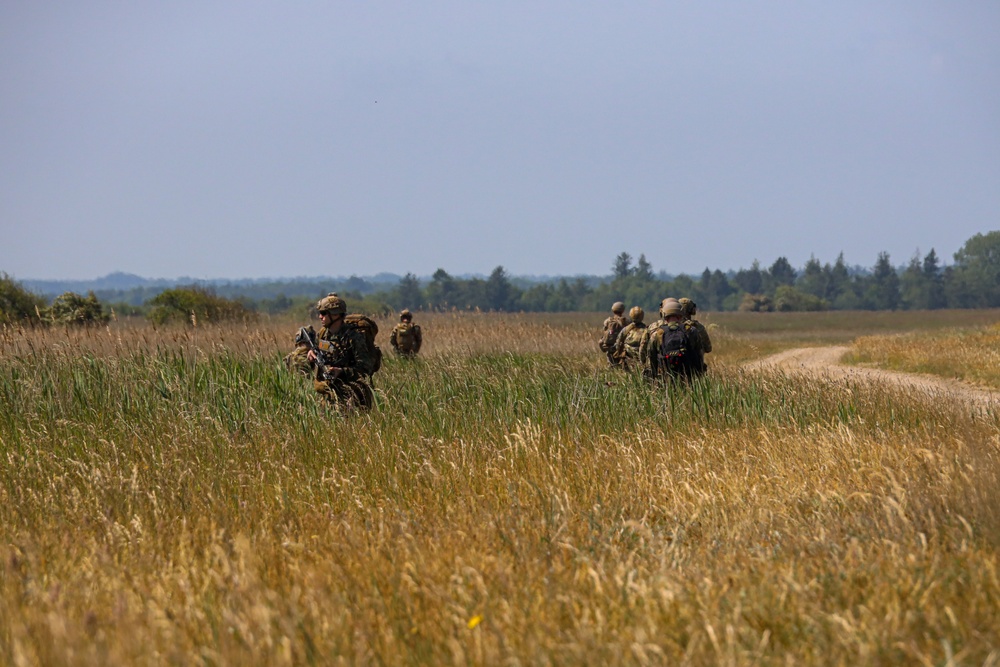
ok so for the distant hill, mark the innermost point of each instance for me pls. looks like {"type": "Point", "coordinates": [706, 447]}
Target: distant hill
{"type": "Point", "coordinates": [120, 282]}
{"type": "Point", "coordinates": [112, 281]}
{"type": "Point", "coordinates": [117, 284]}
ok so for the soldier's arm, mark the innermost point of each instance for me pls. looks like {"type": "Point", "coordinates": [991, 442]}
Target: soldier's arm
{"type": "Point", "coordinates": [418, 337]}
{"type": "Point", "coordinates": [392, 339]}
{"type": "Point", "coordinates": [620, 342]}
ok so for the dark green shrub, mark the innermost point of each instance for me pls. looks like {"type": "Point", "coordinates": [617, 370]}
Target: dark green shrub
{"type": "Point", "coordinates": [195, 304]}
{"type": "Point", "coordinates": [18, 304]}
{"type": "Point", "coordinates": [788, 299]}
{"type": "Point", "coordinates": [71, 308]}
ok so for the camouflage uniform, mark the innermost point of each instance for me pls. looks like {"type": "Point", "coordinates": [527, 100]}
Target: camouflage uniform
{"type": "Point", "coordinates": [696, 331]}
{"type": "Point", "coordinates": [345, 349]}
{"type": "Point", "coordinates": [298, 360]}
{"type": "Point", "coordinates": [653, 369]}
{"type": "Point", "coordinates": [647, 336]}
{"type": "Point", "coordinates": [348, 352]}
{"type": "Point", "coordinates": [612, 327]}
{"type": "Point", "coordinates": [627, 345]}
{"type": "Point", "coordinates": [403, 343]}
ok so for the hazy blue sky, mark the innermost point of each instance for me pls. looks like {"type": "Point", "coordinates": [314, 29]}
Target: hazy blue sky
{"type": "Point", "coordinates": [266, 139]}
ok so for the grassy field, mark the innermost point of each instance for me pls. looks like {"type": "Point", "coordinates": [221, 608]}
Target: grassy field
{"type": "Point", "coordinates": [175, 496]}
{"type": "Point", "coordinates": [969, 354]}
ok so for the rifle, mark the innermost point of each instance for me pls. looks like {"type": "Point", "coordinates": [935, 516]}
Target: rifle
{"type": "Point", "coordinates": [308, 338]}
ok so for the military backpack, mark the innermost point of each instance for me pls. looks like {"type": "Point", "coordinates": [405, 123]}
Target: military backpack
{"type": "Point", "coordinates": [406, 337]}
{"type": "Point", "coordinates": [369, 330]}
{"type": "Point", "coordinates": [612, 327]}
{"type": "Point", "coordinates": [677, 357]}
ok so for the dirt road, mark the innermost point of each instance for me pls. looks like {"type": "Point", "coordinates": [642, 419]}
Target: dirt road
{"type": "Point", "coordinates": [825, 362]}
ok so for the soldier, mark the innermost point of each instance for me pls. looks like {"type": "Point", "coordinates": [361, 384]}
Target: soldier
{"type": "Point", "coordinates": [644, 342]}
{"type": "Point", "coordinates": [348, 361]}
{"type": "Point", "coordinates": [612, 327]}
{"type": "Point", "coordinates": [657, 366]}
{"type": "Point", "coordinates": [697, 331]}
{"type": "Point", "coordinates": [673, 353]}
{"type": "Point", "coordinates": [406, 337]}
{"type": "Point", "coordinates": [627, 345]}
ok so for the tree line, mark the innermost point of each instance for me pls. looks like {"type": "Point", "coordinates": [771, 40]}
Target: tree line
{"type": "Point", "coordinates": [972, 281]}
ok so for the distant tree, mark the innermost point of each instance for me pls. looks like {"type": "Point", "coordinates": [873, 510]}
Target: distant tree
{"type": "Point", "coordinates": [882, 288]}
{"type": "Point", "coordinates": [780, 273]}
{"type": "Point", "coordinates": [74, 309]}
{"type": "Point", "coordinates": [935, 281]}
{"type": "Point", "coordinates": [282, 303]}
{"type": "Point", "coordinates": [912, 285]}
{"type": "Point", "coordinates": [976, 276]}
{"type": "Point", "coordinates": [472, 293]}
{"type": "Point", "coordinates": [536, 298]}
{"type": "Point", "coordinates": [682, 286]}
{"type": "Point", "coordinates": [408, 293]}
{"type": "Point", "coordinates": [499, 291]}
{"type": "Point", "coordinates": [713, 290]}
{"type": "Point", "coordinates": [443, 290]}
{"type": "Point", "coordinates": [839, 279]}
{"type": "Point", "coordinates": [17, 304]}
{"type": "Point", "coordinates": [813, 280]}
{"type": "Point", "coordinates": [921, 285]}
{"type": "Point", "coordinates": [356, 284]}
{"type": "Point", "coordinates": [644, 270]}
{"type": "Point", "coordinates": [623, 266]}
{"type": "Point", "coordinates": [750, 280]}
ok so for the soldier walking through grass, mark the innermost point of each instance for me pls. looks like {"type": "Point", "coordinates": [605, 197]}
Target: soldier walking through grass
{"type": "Point", "coordinates": [644, 341]}
{"type": "Point", "coordinates": [627, 345]}
{"type": "Point", "coordinates": [697, 331]}
{"type": "Point", "coordinates": [674, 350]}
{"type": "Point", "coordinates": [613, 326]}
{"type": "Point", "coordinates": [406, 337]}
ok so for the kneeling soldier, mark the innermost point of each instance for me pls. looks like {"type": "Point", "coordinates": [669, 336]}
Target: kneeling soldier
{"type": "Point", "coordinates": [343, 364]}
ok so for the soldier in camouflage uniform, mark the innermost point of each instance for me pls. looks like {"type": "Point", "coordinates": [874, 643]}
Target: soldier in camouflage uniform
{"type": "Point", "coordinates": [627, 345]}
{"type": "Point", "coordinates": [696, 330]}
{"type": "Point", "coordinates": [670, 311]}
{"type": "Point", "coordinates": [644, 342]}
{"type": "Point", "coordinates": [612, 327]}
{"type": "Point", "coordinates": [406, 337]}
{"type": "Point", "coordinates": [674, 316]}
{"type": "Point", "coordinates": [348, 361]}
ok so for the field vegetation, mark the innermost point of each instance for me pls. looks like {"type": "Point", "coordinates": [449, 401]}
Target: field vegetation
{"type": "Point", "coordinates": [969, 354]}
{"type": "Point", "coordinates": [172, 494]}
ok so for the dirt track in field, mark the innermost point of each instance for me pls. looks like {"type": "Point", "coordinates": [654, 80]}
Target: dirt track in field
{"type": "Point", "coordinates": [824, 362]}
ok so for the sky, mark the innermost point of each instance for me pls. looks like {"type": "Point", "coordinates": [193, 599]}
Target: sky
{"type": "Point", "coordinates": [213, 139]}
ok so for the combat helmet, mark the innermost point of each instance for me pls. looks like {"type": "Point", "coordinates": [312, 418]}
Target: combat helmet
{"type": "Point", "coordinates": [636, 314]}
{"type": "Point", "coordinates": [670, 306]}
{"type": "Point", "coordinates": [331, 303]}
{"type": "Point", "coordinates": [405, 314]}
{"type": "Point", "coordinates": [618, 308]}
{"type": "Point", "coordinates": [688, 307]}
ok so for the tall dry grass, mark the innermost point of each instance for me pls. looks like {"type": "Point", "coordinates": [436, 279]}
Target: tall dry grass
{"type": "Point", "coordinates": [968, 354]}
{"type": "Point", "coordinates": [176, 496]}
